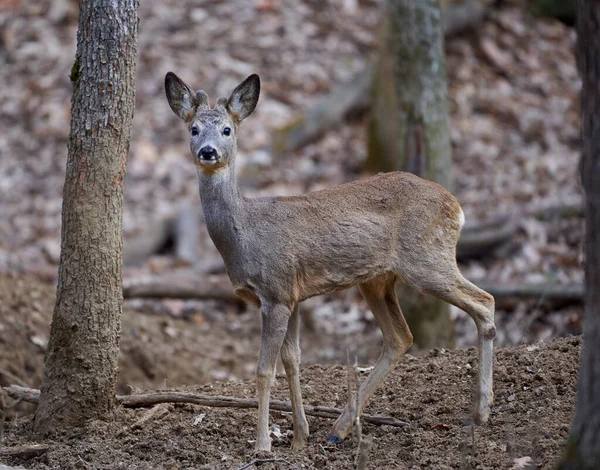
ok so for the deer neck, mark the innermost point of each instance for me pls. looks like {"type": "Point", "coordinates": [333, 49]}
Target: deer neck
{"type": "Point", "coordinates": [223, 208]}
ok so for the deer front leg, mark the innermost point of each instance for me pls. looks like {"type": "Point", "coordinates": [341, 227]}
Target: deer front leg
{"type": "Point", "coordinates": [274, 325]}
{"type": "Point", "coordinates": [290, 356]}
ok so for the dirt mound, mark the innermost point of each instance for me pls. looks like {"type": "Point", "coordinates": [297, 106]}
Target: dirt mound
{"type": "Point", "coordinates": [163, 344]}
{"type": "Point", "coordinates": [535, 388]}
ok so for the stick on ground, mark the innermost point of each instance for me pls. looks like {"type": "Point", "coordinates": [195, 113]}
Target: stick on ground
{"type": "Point", "coordinates": [143, 400]}
{"type": "Point", "coordinates": [24, 452]}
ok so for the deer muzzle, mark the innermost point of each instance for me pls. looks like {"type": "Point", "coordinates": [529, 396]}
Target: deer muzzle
{"type": "Point", "coordinates": [207, 155]}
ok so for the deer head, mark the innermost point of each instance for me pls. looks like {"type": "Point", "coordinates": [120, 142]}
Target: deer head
{"type": "Point", "coordinates": [213, 131]}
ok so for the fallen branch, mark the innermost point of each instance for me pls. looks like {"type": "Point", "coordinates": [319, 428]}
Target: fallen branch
{"type": "Point", "coordinates": [548, 291]}
{"type": "Point", "coordinates": [560, 210]}
{"type": "Point", "coordinates": [572, 293]}
{"type": "Point", "coordinates": [218, 288]}
{"type": "Point", "coordinates": [181, 287]}
{"type": "Point", "coordinates": [24, 452]}
{"type": "Point", "coordinates": [351, 99]}
{"type": "Point", "coordinates": [143, 400]}
{"type": "Point", "coordinates": [29, 395]}
{"type": "Point", "coordinates": [481, 240]}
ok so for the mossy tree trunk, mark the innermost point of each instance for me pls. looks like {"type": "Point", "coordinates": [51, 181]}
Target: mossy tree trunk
{"type": "Point", "coordinates": [583, 446]}
{"type": "Point", "coordinates": [81, 360]}
{"type": "Point", "coordinates": [409, 128]}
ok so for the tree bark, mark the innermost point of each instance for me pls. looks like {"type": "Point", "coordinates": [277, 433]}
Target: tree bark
{"type": "Point", "coordinates": [409, 126]}
{"type": "Point", "coordinates": [81, 360]}
{"type": "Point", "coordinates": [563, 10]}
{"type": "Point", "coordinates": [582, 450]}
{"type": "Point", "coordinates": [409, 129]}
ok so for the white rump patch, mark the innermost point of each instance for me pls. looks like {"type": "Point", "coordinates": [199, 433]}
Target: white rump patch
{"type": "Point", "coordinates": [461, 219]}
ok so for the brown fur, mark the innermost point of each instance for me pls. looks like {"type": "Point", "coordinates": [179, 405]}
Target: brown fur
{"type": "Point", "coordinates": [372, 233]}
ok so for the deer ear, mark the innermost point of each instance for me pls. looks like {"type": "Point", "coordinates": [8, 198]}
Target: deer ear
{"type": "Point", "coordinates": [183, 100]}
{"type": "Point", "coordinates": [243, 99]}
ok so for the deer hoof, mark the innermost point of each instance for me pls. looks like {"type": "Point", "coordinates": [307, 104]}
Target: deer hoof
{"type": "Point", "coordinates": [262, 448]}
{"type": "Point", "coordinates": [482, 414]}
{"type": "Point", "coordinates": [299, 444]}
{"type": "Point", "coordinates": [334, 440]}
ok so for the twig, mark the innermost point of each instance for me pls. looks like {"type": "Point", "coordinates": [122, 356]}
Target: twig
{"type": "Point", "coordinates": [144, 400]}
{"type": "Point", "coordinates": [363, 452]}
{"type": "Point", "coordinates": [30, 395]}
{"type": "Point", "coordinates": [356, 407]}
{"type": "Point", "coordinates": [152, 414]}
{"type": "Point", "coordinates": [24, 452]}
{"type": "Point", "coordinates": [364, 442]}
{"type": "Point", "coordinates": [351, 402]}
{"type": "Point", "coordinates": [255, 461]}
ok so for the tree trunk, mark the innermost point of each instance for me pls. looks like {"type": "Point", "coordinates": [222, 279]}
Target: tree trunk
{"type": "Point", "coordinates": [583, 446]}
{"type": "Point", "coordinates": [83, 350]}
{"type": "Point", "coordinates": [563, 10]}
{"type": "Point", "coordinates": [409, 128]}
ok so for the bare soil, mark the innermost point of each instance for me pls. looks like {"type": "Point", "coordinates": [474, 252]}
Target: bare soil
{"type": "Point", "coordinates": [535, 389]}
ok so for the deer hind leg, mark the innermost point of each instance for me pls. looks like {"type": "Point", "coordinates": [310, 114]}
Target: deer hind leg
{"type": "Point", "coordinates": [290, 356]}
{"type": "Point", "coordinates": [380, 294]}
{"type": "Point", "coordinates": [479, 305]}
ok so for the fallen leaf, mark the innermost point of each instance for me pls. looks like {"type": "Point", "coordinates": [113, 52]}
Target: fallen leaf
{"type": "Point", "coordinates": [39, 340]}
{"type": "Point", "coordinates": [275, 432]}
{"type": "Point", "coordinates": [441, 427]}
{"type": "Point", "coordinates": [522, 463]}
{"type": "Point", "coordinates": [198, 419]}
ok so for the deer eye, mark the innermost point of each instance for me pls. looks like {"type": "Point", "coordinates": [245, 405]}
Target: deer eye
{"type": "Point", "coordinates": [194, 130]}
{"type": "Point", "coordinates": [227, 131]}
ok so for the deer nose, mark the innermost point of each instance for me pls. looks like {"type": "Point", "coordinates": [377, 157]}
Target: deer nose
{"type": "Point", "coordinates": [207, 153]}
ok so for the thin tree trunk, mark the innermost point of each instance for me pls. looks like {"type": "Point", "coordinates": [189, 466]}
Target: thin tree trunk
{"type": "Point", "coordinates": [82, 355]}
{"type": "Point", "coordinates": [583, 446]}
{"type": "Point", "coordinates": [409, 129]}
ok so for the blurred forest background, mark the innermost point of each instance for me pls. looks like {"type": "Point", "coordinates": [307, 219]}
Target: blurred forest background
{"type": "Point", "coordinates": [514, 115]}
{"type": "Point", "coordinates": [513, 101]}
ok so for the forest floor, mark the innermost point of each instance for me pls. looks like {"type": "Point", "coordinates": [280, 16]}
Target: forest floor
{"type": "Point", "coordinates": [535, 389]}
{"type": "Point", "coordinates": [513, 100]}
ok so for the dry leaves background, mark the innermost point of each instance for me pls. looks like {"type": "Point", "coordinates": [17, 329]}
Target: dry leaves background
{"type": "Point", "coordinates": [513, 89]}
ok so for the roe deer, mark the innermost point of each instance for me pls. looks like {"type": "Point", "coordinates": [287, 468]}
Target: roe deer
{"type": "Point", "coordinates": [375, 232]}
